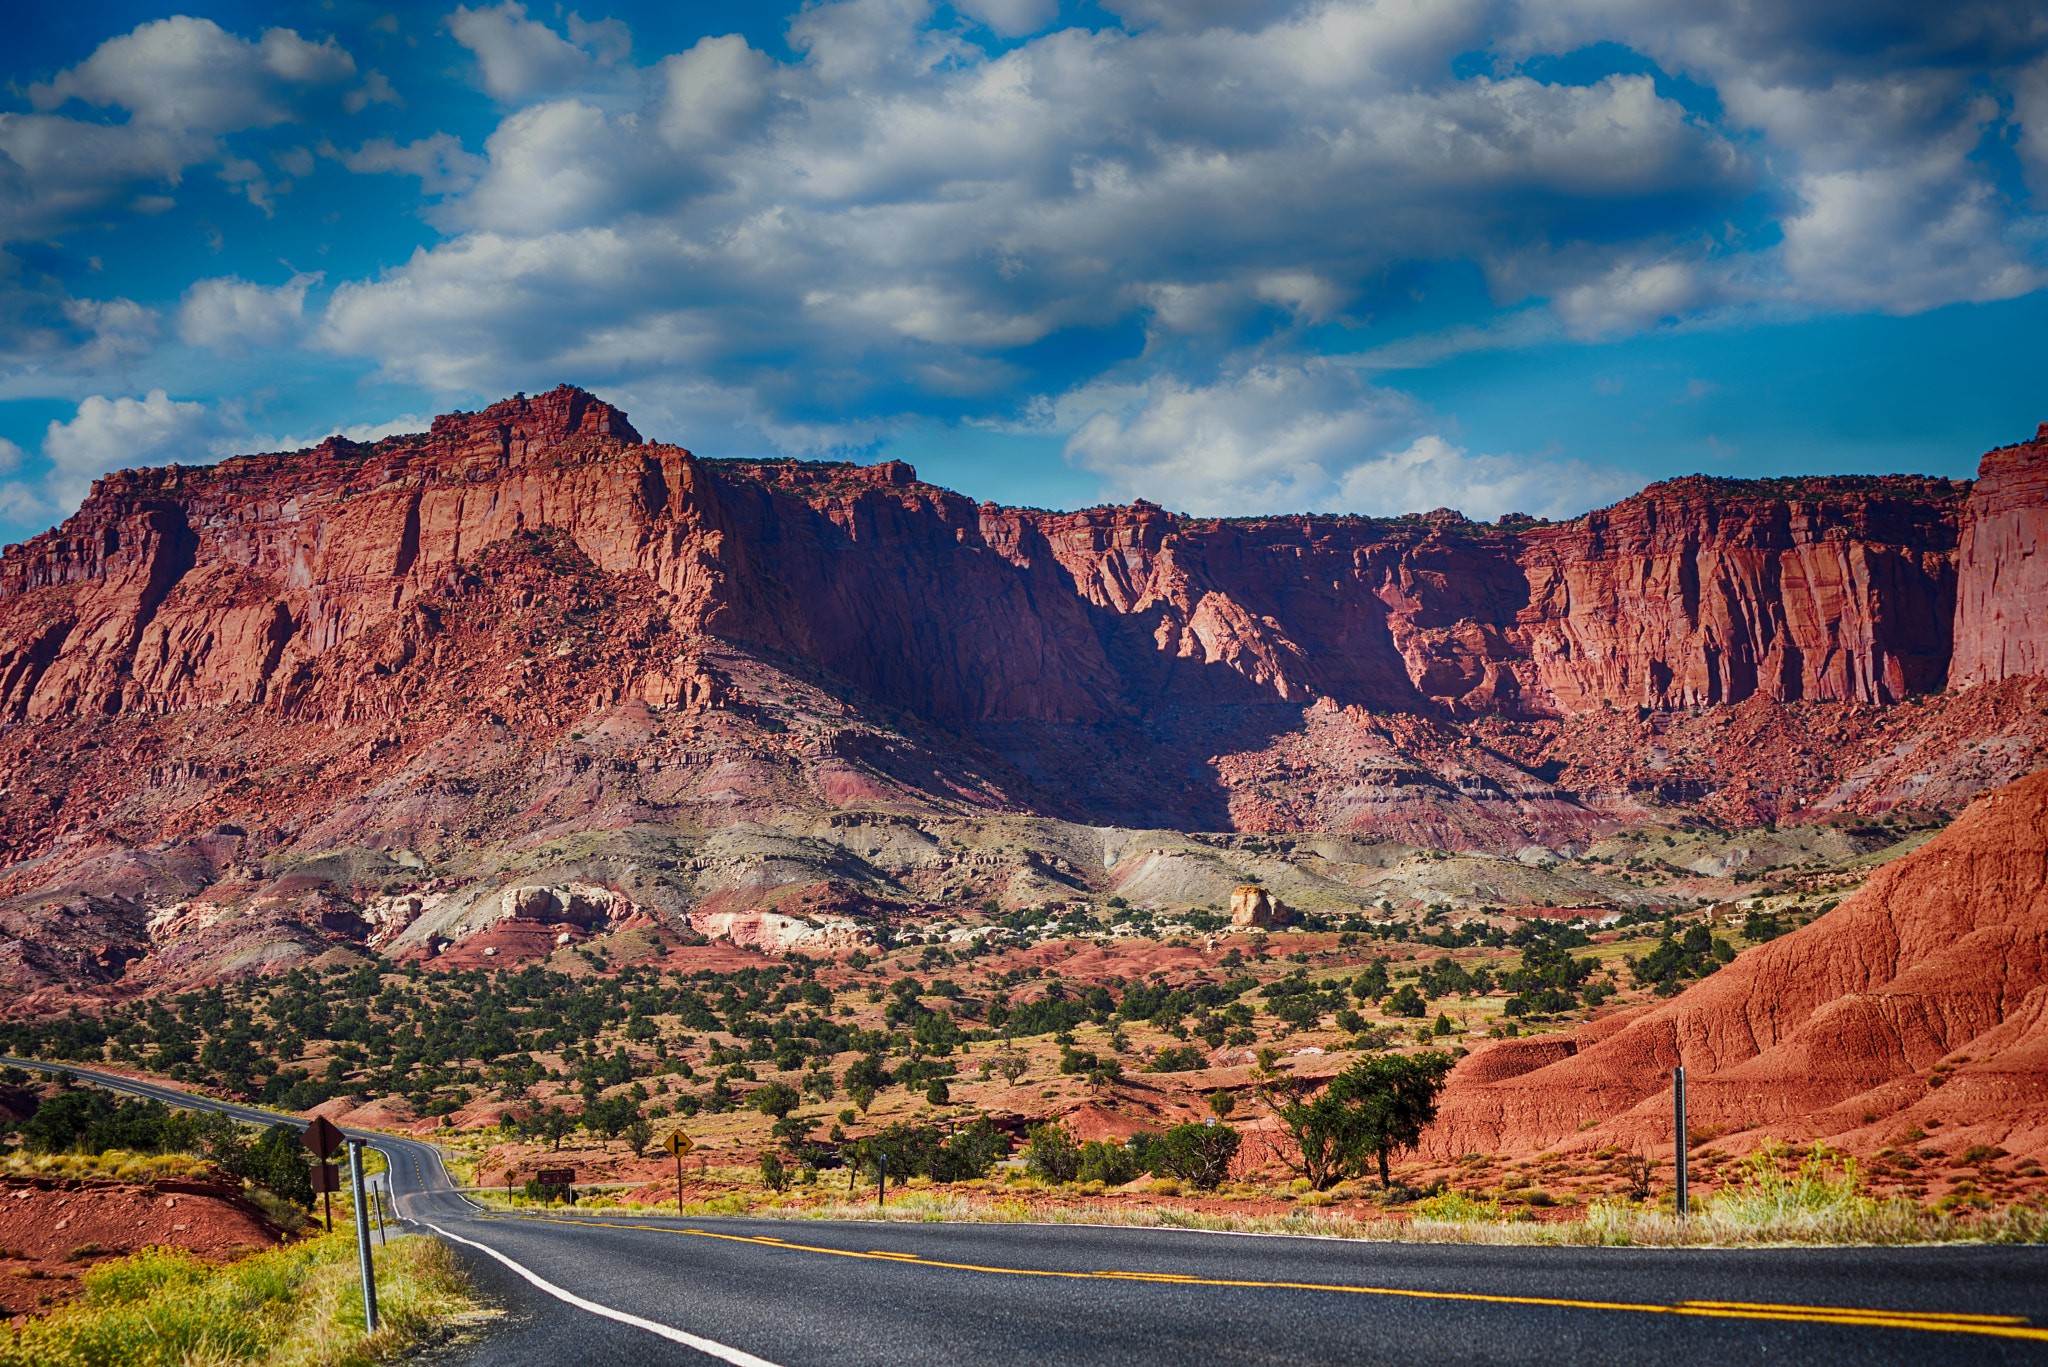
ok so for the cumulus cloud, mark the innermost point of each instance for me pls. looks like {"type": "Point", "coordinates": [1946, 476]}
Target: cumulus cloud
{"type": "Point", "coordinates": [440, 162]}
{"type": "Point", "coordinates": [183, 84]}
{"type": "Point", "coordinates": [517, 56]}
{"type": "Point", "coordinates": [899, 209]}
{"type": "Point", "coordinates": [229, 314]}
{"type": "Point", "coordinates": [1275, 438]}
{"type": "Point", "coordinates": [50, 336]}
{"type": "Point", "coordinates": [114, 434]}
{"type": "Point", "coordinates": [1304, 436]}
{"type": "Point", "coordinates": [901, 215]}
{"type": "Point", "coordinates": [193, 76]}
{"type": "Point", "coordinates": [1431, 473]}
{"type": "Point", "coordinates": [1873, 116]}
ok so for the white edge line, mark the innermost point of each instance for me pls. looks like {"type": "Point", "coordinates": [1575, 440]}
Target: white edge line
{"type": "Point", "coordinates": [710, 1347]}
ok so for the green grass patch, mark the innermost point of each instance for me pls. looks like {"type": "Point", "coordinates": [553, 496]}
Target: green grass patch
{"type": "Point", "coordinates": [297, 1306]}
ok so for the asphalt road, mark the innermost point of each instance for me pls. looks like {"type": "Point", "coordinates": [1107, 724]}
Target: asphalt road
{"type": "Point", "coordinates": [598, 1289]}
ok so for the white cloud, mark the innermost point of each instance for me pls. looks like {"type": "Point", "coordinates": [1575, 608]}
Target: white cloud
{"type": "Point", "coordinates": [193, 76]}
{"type": "Point", "coordinates": [50, 339]}
{"type": "Point", "coordinates": [114, 434]}
{"type": "Point", "coordinates": [1011, 18]}
{"type": "Point", "coordinates": [10, 457]}
{"type": "Point", "coordinates": [517, 56]}
{"type": "Point", "coordinates": [898, 207]}
{"type": "Point", "coordinates": [1300, 437]}
{"type": "Point", "coordinates": [712, 92]}
{"type": "Point", "coordinates": [183, 83]}
{"type": "Point", "coordinates": [1872, 118]}
{"type": "Point", "coordinates": [1275, 438]}
{"type": "Point", "coordinates": [1431, 473]}
{"type": "Point", "coordinates": [1630, 297]}
{"type": "Point", "coordinates": [437, 159]}
{"type": "Point", "coordinates": [375, 89]}
{"type": "Point", "coordinates": [229, 314]}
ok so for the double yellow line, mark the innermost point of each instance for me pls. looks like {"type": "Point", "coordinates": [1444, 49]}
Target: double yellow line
{"type": "Point", "coordinates": [1993, 1326]}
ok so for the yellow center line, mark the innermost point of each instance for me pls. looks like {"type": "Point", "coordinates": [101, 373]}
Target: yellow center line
{"type": "Point", "coordinates": [1991, 1326]}
{"type": "Point", "coordinates": [1852, 1310]}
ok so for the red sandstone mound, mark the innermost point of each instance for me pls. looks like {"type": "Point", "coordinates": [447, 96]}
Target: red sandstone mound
{"type": "Point", "coordinates": [53, 1228]}
{"type": "Point", "coordinates": [1923, 997]}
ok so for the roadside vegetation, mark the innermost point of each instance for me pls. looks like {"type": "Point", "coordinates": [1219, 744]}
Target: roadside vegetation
{"type": "Point", "coordinates": [87, 1132]}
{"type": "Point", "coordinates": [296, 1306]}
{"type": "Point", "coordinates": [1778, 1199]}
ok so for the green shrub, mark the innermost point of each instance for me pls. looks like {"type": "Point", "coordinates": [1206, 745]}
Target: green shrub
{"type": "Point", "coordinates": [1051, 1153]}
{"type": "Point", "coordinates": [1109, 1163]}
{"type": "Point", "coordinates": [1185, 1059]}
{"type": "Point", "coordinates": [1198, 1154]}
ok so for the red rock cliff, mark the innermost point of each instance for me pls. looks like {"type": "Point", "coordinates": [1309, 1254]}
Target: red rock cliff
{"type": "Point", "coordinates": [179, 588]}
{"type": "Point", "coordinates": [2002, 574]}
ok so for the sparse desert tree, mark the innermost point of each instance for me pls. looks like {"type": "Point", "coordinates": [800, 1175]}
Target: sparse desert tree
{"type": "Point", "coordinates": [639, 1134]}
{"type": "Point", "coordinates": [777, 1099]}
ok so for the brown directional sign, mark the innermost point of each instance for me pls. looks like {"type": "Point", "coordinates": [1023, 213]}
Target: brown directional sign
{"type": "Point", "coordinates": [679, 1144]}
{"type": "Point", "coordinates": [323, 1137]}
{"type": "Point", "coordinates": [326, 1177]}
{"type": "Point", "coordinates": [556, 1177]}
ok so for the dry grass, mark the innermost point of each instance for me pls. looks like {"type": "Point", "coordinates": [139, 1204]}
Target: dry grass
{"type": "Point", "coordinates": [1822, 1202]}
{"type": "Point", "coordinates": [115, 1165]}
{"type": "Point", "coordinates": [297, 1306]}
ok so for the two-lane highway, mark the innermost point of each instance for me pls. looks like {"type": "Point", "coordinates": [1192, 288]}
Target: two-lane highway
{"type": "Point", "coordinates": [593, 1288]}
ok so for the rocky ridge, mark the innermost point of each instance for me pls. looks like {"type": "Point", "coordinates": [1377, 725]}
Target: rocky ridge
{"type": "Point", "coordinates": [1920, 1003]}
{"type": "Point", "coordinates": [347, 697]}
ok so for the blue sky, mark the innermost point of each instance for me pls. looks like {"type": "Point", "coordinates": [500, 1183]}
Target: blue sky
{"type": "Point", "coordinates": [1230, 255]}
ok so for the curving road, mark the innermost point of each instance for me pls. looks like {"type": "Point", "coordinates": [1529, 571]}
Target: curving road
{"type": "Point", "coordinates": [597, 1289]}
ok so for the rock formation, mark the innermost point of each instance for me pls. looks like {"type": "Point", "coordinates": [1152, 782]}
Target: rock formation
{"type": "Point", "coordinates": [2002, 568]}
{"type": "Point", "coordinates": [243, 708]}
{"type": "Point", "coordinates": [240, 583]}
{"type": "Point", "coordinates": [1252, 905]}
{"type": "Point", "coordinates": [1924, 996]}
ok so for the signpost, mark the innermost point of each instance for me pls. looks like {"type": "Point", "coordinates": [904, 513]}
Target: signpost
{"type": "Point", "coordinates": [1678, 1134]}
{"type": "Point", "coordinates": [355, 1173]}
{"type": "Point", "coordinates": [324, 1138]}
{"type": "Point", "coordinates": [679, 1144]}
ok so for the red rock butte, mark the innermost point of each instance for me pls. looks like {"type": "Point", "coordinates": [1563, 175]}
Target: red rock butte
{"type": "Point", "coordinates": [238, 583]}
{"type": "Point", "coordinates": [237, 700]}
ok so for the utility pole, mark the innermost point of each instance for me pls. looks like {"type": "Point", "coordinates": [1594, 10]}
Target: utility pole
{"type": "Point", "coordinates": [355, 1174]}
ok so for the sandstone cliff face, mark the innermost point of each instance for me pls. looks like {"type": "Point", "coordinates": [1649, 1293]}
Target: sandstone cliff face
{"type": "Point", "coordinates": [2002, 570]}
{"type": "Point", "coordinates": [180, 588]}
{"type": "Point", "coordinates": [1424, 678]}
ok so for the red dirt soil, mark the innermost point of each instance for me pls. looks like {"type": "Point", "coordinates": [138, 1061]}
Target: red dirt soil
{"type": "Point", "coordinates": [53, 1229]}
{"type": "Point", "coordinates": [1920, 1003]}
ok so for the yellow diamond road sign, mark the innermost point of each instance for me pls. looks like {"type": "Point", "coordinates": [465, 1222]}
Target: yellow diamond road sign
{"type": "Point", "coordinates": [679, 1144]}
